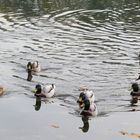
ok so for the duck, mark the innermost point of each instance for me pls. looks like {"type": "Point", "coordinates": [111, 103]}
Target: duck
{"type": "Point", "coordinates": [32, 68]}
{"type": "Point", "coordinates": [135, 90]}
{"type": "Point", "coordinates": [46, 91]}
{"type": "Point", "coordinates": [2, 90]}
{"type": "Point", "coordinates": [87, 107]}
{"type": "Point", "coordinates": [89, 93]}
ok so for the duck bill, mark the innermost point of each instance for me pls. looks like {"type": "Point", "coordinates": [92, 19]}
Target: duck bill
{"type": "Point", "coordinates": [34, 90]}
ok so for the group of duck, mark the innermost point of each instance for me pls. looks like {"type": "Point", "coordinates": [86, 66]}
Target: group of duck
{"type": "Point", "coordinates": [86, 100]}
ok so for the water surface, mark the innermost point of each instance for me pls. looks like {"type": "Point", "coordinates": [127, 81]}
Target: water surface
{"type": "Point", "coordinates": [77, 42]}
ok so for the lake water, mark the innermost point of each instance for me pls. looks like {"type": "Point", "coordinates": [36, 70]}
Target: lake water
{"type": "Point", "coordinates": [77, 42]}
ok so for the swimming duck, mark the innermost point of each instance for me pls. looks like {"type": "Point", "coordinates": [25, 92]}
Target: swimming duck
{"type": "Point", "coordinates": [2, 90]}
{"type": "Point", "coordinates": [88, 108]}
{"type": "Point", "coordinates": [89, 93]}
{"type": "Point", "coordinates": [46, 91]}
{"type": "Point", "coordinates": [135, 90]}
{"type": "Point", "coordinates": [35, 66]}
{"type": "Point", "coordinates": [32, 68]}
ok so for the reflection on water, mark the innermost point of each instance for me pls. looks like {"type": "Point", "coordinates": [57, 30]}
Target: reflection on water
{"type": "Point", "coordinates": [37, 104]}
{"type": "Point", "coordinates": [85, 126]}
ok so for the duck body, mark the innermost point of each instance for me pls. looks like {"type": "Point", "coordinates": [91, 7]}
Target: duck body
{"type": "Point", "coordinates": [87, 107]}
{"type": "Point", "coordinates": [137, 94]}
{"type": "Point", "coordinates": [46, 91]}
{"type": "Point", "coordinates": [36, 67]}
{"type": "Point", "coordinates": [89, 93]}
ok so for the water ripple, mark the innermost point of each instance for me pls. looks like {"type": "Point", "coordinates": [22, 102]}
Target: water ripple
{"type": "Point", "coordinates": [76, 46]}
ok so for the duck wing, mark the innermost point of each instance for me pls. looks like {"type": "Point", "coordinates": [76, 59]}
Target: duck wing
{"type": "Point", "coordinates": [49, 90]}
{"type": "Point", "coordinates": [90, 95]}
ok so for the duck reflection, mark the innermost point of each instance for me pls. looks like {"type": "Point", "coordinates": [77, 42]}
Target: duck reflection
{"type": "Point", "coordinates": [85, 126]}
{"type": "Point", "coordinates": [134, 101]}
{"type": "Point", "coordinates": [37, 104]}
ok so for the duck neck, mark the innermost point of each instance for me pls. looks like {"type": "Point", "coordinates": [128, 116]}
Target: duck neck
{"type": "Point", "coordinates": [29, 78]}
{"type": "Point", "coordinates": [38, 91]}
{"type": "Point", "coordinates": [29, 66]}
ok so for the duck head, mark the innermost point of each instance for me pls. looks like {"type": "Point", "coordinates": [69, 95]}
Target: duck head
{"type": "Point", "coordinates": [83, 101]}
{"type": "Point", "coordinates": [29, 66]}
{"type": "Point", "coordinates": [86, 108]}
{"type": "Point", "coordinates": [80, 101]}
{"type": "Point", "coordinates": [135, 87]}
{"type": "Point", "coordinates": [38, 89]}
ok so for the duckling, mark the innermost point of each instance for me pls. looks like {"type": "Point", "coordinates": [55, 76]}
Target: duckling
{"type": "Point", "coordinates": [2, 90]}
{"type": "Point", "coordinates": [89, 93]}
{"type": "Point", "coordinates": [88, 108]}
{"type": "Point", "coordinates": [46, 91]}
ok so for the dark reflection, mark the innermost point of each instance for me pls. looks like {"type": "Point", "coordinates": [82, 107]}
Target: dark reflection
{"type": "Point", "coordinates": [29, 77]}
{"type": "Point", "coordinates": [134, 101]}
{"type": "Point", "coordinates": [85, 126]}
{"type": "Point", "coordinates": [37, 104]}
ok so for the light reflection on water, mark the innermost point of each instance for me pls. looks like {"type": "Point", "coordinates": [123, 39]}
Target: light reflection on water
{"type": "Point", "coordinates": [95, 45]}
